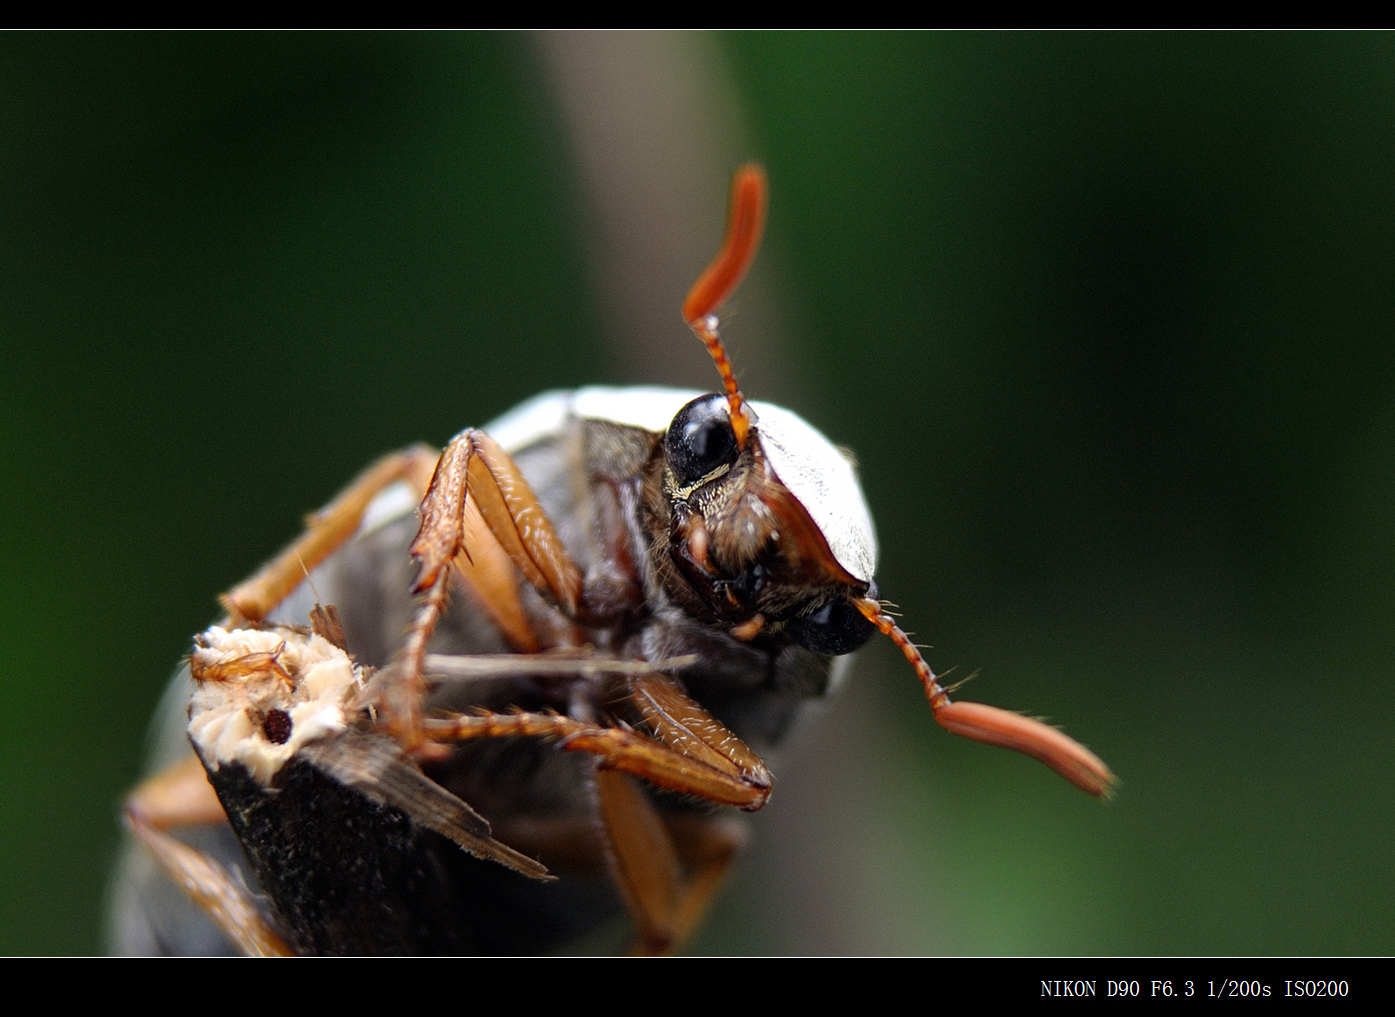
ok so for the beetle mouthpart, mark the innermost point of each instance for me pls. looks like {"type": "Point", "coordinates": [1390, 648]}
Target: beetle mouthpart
{"type": "Point", "coordinates": [746, 221]}
{"type": "Point", "coordinates": [698, 542]}
{"type": "Point", "coordinates": [994, 726]}
{"type": "Point", "coordinates": [748, 630]}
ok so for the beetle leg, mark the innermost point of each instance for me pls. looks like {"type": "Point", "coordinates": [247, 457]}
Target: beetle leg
{"type": "Point", "coordinates": [648, 861]}
{"type": "Point", "coordinates": [178, 796]}
{"type": "Point", "coordinates": [690, 751]}
{"type": "Point", "coordinates": [618, 749]}
{"type": "Point", "coordinates": [643, 860]}
{"type": "Point", "coordinates": [572, 844]}
{"type": "Point", "coordinates": [182, 796]}
{"type": "Point", "coordinates": [208, 883]}
{"type": "Point", "coordinates": [326, 531]}
{"type": "Point", "coordinates": [483, 568]}
{"type": "Point", "coordinates": [682, 725]}
{"type": "Point", "coordinates": [474, 467]}
{"type": "Point", "coordinates": [474, 470]}
{"type": "Point", "coordinates": [708, 846]}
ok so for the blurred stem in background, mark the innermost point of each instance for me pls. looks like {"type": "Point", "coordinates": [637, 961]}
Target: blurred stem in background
{"type": "Point", "coordinates": [657, 128]}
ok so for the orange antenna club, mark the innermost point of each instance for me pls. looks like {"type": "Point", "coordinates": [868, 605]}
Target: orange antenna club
{"type": "Point", "coordinates": [745, 223]}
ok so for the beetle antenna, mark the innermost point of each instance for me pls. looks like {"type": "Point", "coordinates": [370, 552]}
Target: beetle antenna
{"type": "Point", "coordinates": [745, 222]}
{"type": "Point", "coordinates": [993, 726]}
{"type": "Point", "coordinates": [961, 682]}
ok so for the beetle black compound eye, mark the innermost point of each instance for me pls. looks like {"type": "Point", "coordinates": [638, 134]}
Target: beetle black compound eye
{"type": "Point", "coordinates": [700, 439]}
{"type": "Point", "coordinates": [834, 628]}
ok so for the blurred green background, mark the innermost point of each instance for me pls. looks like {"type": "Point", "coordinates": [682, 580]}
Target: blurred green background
{"type": "Point", "coordinates": [1107, 318]}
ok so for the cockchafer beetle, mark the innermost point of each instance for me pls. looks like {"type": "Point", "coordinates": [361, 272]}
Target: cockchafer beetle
{"type": "Point", "coordinates": [653, 580]}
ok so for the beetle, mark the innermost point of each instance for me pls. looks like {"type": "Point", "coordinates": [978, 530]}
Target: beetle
{"type": "Point", "coordinates": [652, 581]}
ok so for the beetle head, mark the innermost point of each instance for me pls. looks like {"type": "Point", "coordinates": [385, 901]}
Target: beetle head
{"type": "Point", "coordinates": [737, 546]}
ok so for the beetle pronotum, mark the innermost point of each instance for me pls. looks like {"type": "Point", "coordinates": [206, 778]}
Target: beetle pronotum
{"type": "Point", "coordinates": [650, 579]}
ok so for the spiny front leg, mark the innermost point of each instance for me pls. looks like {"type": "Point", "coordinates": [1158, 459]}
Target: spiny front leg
{"type": "Point", "coordinates": [687, 750]}
{"type": "Point", "coordinates": [617, 749]}
{"type": "Point", "coordinates": [678, 722]}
